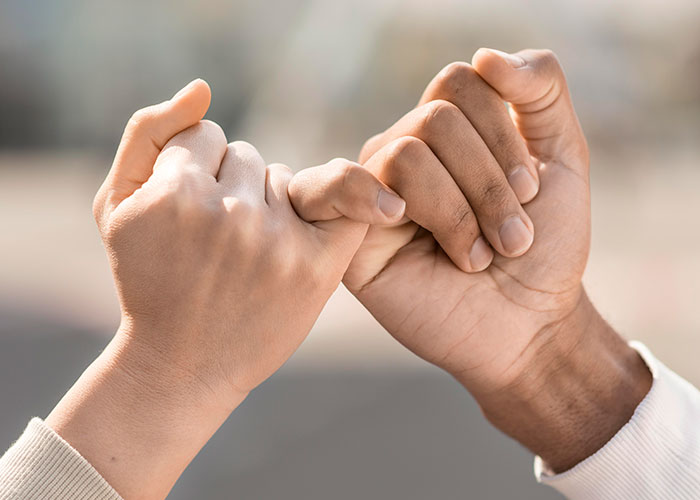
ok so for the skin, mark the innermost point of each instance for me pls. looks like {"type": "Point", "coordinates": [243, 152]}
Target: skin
{"type": "Point", "coordinates": [520, 335]}
{"type": "Point", "coordinates": [219, 281]}
{"type": "Point", "coordinates": [222, 264]}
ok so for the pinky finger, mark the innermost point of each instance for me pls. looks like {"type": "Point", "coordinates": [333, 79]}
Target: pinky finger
{"type": "Point", "coordinates": [342, 188]}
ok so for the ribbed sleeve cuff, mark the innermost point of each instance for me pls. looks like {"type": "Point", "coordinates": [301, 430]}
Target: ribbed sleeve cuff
{"type": "Point", "coordinates": [655, 455]}
{"type": "Point", "coordinates": [41, 465]}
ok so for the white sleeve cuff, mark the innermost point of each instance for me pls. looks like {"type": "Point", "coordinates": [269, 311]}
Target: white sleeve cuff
{"type": "Point", "coordinates": [654, 455]}
{"type": "Point", "coordinates": [42, 465]}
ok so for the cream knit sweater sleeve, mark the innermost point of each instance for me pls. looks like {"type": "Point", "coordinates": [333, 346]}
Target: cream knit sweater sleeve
{"type": "Point", "coordinates": [41, 465]}
{"type": "Point", "coordinates": [656, 455]}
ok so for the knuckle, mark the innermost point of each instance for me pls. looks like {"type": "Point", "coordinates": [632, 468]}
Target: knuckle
{"type": "Point", "coordinates": [241, 211]}
{"type": "Point", "coordinates": [402, 153]}
{"type": "Point", "coordinates": [505, 141]}
{"type": "Point", "coordinates": [141, 119]}
{"type": "Point", "coordinates": [406, 148]}
{"type": "Point", "coordinates": [494, 196]}
{"type": "Point", "coordinates": [278, 179]}
{"type": "Point", "coordinates": [454, 77]}
{"type": "Point", "coordinates": [244, 147]}
{"type": "Point", "coordinates": [501, 140]}
{"type": "Point", "coordinates": [440, 117]}
{"type": "Point", "coordinates": [282, 168]}
{"type": "Point", "coordinates": [244, 153]}
{"type": "Point", "coordinates": [347, 173]}
{"type": "Point", "coordinates": [282, 173]}
{"type": "Point", "coordinates": [354, 184]}
{"type": "Point", "coordinates": [211, 131]}
{"type": "Point", "coordinates": [548, 61]}
{"type": "Point", "coordinates": [548, 56]}
{"type": "Point", "coordinates": [462, 220]}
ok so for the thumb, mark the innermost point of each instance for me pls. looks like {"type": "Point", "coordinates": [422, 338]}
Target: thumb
{"type": "Point", "coordinates": [533, 82]}
{"type": "Point", "coordinates": [147, 131]}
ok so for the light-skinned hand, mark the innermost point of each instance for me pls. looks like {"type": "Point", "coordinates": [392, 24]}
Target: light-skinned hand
{"type": "Point", "coordinates": [219, 282]}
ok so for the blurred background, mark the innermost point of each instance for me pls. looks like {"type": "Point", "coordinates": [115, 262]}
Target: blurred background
{"type": "Point", "coordinates": [352, 414]}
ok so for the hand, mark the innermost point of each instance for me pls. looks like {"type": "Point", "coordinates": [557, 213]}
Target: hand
{"type": "Point", "coordinates": [450, 159]}
{"type": "Point", "coordinates": [503, 332]}
{"type": "Point", "coordinates": [219, 281]}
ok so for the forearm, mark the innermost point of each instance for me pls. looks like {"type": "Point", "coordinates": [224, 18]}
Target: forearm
{"type": "Point", "coordinates": [137, 419]}
{"type": "Point", "coordinates": [580, 387]}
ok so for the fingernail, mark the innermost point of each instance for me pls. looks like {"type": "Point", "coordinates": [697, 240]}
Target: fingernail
{"type": "Point", "coordinates": [480, 255]}
{"type": "Point", "coordinates": [513, 60]}
{"type": "Point", "coordinates": [186, 88]}
{"type": "Point", "coordinates": [516, 238]}
{"type": "Point", "coordinates": [390, 204]}
{"type": "Point", "coordinates": [523, 183]}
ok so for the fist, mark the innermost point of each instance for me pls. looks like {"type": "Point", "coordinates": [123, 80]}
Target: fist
{"type": "Point", "coordinates": [216, 274]}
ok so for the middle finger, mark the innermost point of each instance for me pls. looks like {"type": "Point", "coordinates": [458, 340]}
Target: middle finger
{"type": "Point", "coordinates": [458, 146]}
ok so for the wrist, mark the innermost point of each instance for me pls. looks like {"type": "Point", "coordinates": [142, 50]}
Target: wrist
{"type": "Point", "coordinates": [138, 418]}
{"type": "Point", "coordinates": [176, 371]}
{"type": "Point", "coordinates": [578, 387]}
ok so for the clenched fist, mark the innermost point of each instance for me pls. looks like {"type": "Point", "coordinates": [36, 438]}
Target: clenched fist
{"type": "Point", "coordinates": [219, 282]}
{"type": "Point", "coordinates": [483, 276]}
